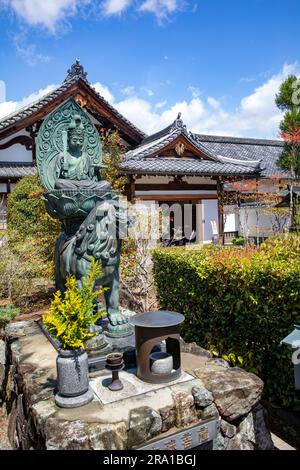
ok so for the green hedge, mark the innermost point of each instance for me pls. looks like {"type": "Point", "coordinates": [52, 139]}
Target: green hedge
{"type": "Point", "coordinates": [238, 303]}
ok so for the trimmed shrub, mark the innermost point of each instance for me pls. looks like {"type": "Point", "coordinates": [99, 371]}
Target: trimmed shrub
{"type": "Point", "coordinates": [239, 303]}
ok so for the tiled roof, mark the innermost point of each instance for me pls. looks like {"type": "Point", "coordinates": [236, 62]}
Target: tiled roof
{"type": "Point", "coordinates": [268, 151]}
{"type": "Point", "coordinates": [225, 155]}
{"type": "Point", "coordinates": [144, 158]}
{"type": "Point", "coordinates": [32, 108]}
{"type": "Point", "coordinates": [184, 166]}
{"type": "Point", "coordinates": [16, 170]}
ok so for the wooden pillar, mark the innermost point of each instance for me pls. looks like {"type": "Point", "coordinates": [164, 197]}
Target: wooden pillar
{"type": "Point", "coordinates": [33, 131]}
{"type": "Point", "coordinates": [131, 194]}
{"type": "Point", "coordinates": [220, 193]}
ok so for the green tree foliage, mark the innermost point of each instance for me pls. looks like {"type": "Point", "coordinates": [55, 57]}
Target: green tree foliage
{"type": "Point", "coordinates": [27, 217]}
{"type": "Point", "coordinates": [284, 99]}
{"type": "Point", "coordinates": [71, 316]}
{"type": "Point", "coordinates": [288, 100]}
{"type": "Point", "coordinates": [291, 120]}
{"type": "Point", "coordinates": [113, 154]}
{"type": "Point", "coordinates": [239, 303]}
{"type": "Point", "coordinates": [26, 262]}
{"type": "Point", "coordinates": [23, 271]}
{"type": "Point", "coordinates": [284, 161]}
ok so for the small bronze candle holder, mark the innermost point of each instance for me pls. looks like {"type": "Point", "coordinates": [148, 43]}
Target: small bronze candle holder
{"type": "Point", "coordinates": [115, 363]}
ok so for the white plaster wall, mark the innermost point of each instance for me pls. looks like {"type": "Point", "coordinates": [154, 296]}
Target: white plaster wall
{"type": "Point", "coordinates": [199, 223]}
{"type": "Point", "coordinates": [231, 222]}
{"type": "Point", "coordinates": [209, 212]}
{"type": "Point", "coordinates": [16, 153]}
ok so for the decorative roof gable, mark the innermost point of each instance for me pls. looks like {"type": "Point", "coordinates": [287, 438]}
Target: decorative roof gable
{"type": "Point", "coordinates": [168, 138]}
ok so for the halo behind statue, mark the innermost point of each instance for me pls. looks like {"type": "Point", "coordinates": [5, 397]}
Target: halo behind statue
{"type": "Point", "coordinates": [51, 139]}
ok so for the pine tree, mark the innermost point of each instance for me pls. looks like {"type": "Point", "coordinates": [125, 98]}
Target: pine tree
{"type": "Point", "coordinates": [288, 100]}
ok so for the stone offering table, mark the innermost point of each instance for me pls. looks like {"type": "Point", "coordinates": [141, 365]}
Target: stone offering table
{"type": "Point", "coordinates": [137, 416]}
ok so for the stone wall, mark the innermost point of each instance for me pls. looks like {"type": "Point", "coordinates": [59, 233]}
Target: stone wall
{"type": "Point", "coordinates": [28, 380]}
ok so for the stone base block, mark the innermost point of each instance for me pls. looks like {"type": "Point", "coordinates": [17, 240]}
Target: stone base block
{"type": "Point", "coordinates": [74, 402]}
{"type": "Point", "coordinates": [173, 414]}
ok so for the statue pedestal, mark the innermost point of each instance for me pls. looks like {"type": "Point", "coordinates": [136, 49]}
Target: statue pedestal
{"type": "Point", "coordinates": [211, 404]}
{"type": "Point", "coordinates": [99, 346]}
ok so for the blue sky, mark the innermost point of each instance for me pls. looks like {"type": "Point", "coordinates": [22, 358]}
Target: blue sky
{"type": "Point", "coordinates": [219, 62]}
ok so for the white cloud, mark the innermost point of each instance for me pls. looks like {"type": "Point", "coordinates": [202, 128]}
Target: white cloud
{"type": "Point", "coordinates": [148, 91]}
{"type": "Point", "coordinates": [161, 104]}
{"type": "Point", "coordinates": [213, 102]}
{"type": "Point", "coordinates": [256, 115]}
{"type": "Point", "coordinates": [104, 91]}
{"type": "Point", "coordinates": [259, 109]}
{"type": "Point", "coordinates": [139, 112]}
{"type": "Point", "coordinates": [161, 8]}
{"type": "Point", "coordinates": [115, 7]}
{"type": "Point", "coordinates": [46, 13]}
{"type": "Point", "coordinates": [27, 51]}
{"type": "Point", "coordinates": [262, 100]}
{"type": "Point", "coordinates": [8, 107]}
{"type": "Point", "coordinates": [52, 14]}
{"type": "Point", "coordinates": [2, 91]}
{"type": "Point", "coordinates": [195, 91]}
{"type": "Point", "coordinates": [128, 90]}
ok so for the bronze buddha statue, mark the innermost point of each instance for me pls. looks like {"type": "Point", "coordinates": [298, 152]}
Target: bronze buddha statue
{"type": "Point", "coordinates": [74, 167]}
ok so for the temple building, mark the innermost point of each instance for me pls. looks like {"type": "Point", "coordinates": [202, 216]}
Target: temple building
{"type": "Point", "coordinates": [172, 165]}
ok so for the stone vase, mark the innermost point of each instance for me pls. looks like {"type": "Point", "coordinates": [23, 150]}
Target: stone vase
{"type": "Point", "coordinates": [73, 379]}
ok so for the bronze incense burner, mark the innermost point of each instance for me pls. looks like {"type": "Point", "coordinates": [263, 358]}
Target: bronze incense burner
{"type": "Point", "coordinates": [152, 328]}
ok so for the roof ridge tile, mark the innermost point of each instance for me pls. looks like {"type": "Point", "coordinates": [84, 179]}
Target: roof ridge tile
{"type": "Point", "coordinates": [236, 140]}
